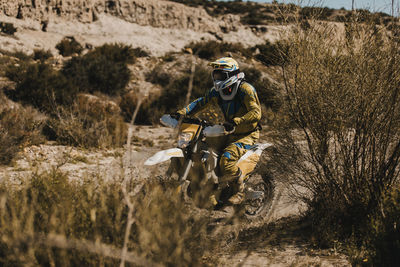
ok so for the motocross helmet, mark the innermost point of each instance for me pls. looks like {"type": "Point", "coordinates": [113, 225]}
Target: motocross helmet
{"type": "Point", "coordinates": [226, 77]}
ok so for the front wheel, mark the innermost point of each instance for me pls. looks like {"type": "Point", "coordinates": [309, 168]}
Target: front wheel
{"type": "Point", "coordinates": [259, 196]}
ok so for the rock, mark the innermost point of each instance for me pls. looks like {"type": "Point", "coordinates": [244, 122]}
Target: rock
{"type": "Point", "coordinates": [156, 13]}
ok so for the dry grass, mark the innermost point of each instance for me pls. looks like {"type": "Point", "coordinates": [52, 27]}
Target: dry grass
{"type": "Point", "coordinates": [51, 220]}
{"type": "Point", "coordinates": [19, 127]}
{"type": "Point", "coordinates": [95, 127]}
{"type": "Point", "coordinates": [340, 140]}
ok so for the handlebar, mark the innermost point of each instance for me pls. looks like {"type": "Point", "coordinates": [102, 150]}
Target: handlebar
{"type": "Point", "coordinates": [168, 120]}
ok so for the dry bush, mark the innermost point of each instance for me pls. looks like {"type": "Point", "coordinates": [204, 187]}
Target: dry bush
{"type": "Point", "coordinates": [19, 127]}
{"type": "Point", "coordinates": [128, 104]}
{"type": "Point", "coordinates": [271, 54]}
{"type": "Point", "coordinates": [341, 142]}
{"type": "Point", "coordinates": [49, 204]}
{"type": "Point", "coordinates": [50, 220]}
{"type": "Point", "coordinates": [79, 125]}
{"type": "Point", "coordinates": [170, 231]}
{"type": "Point", "coordinates": [39, 85]}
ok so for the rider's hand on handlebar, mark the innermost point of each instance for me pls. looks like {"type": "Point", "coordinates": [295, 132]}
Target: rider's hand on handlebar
{"type": "Point", "coordinates": [229, 126]}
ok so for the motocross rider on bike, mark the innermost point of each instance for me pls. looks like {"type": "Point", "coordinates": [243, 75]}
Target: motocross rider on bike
{"type": "Point", "coordinates": [240, 105]}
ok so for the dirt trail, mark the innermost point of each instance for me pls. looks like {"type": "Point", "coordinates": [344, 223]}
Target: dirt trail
{"type": "Point", "coordinates": [279, 240]}
{"type": "Point", "coordinates": [284, 242]}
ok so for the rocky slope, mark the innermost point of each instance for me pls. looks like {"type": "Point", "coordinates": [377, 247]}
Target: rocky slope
{"type": "Point", "coordinates": [157, 26]}
{"type": "Point", "coordinates": [154, 13]}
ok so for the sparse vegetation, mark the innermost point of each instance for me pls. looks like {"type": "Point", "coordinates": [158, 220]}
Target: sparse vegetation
{"type": "Point", "coordinates": [343, 98]}
{"type": "Point", "coordinates": [271, 54]}
{"type": "Point", "coordinates": [54, 92]}
{"type": "Point", "coordinates": [50, 219]}
{"type": "Point", "coordinates": [19, 127]}
{"type": "Point", "coordinates": [42, 55]}
{"type": "Point", "coordinates": [7, 28]}
{"type": "Point", "coordinates": [69, 46]}
{"type": "Point", "coordinates": [39, 85]}
{"type": "Point", "coordinates": [336, 141]}
{"type": "Point", "coordinates": [103, 69]}
{"type": "Point", "coordinates": [322, 13]}
{"type": "Point", "coordinates": [82, 126]}
{"type": "Point", "coordinates": [213, 49]}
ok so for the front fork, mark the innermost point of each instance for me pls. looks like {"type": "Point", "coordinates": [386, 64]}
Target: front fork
{"type": "Point", "coordinates": [183, 182]}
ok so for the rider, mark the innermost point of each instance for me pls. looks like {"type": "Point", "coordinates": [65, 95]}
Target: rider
{"type": "Point", "coordinates": [239, 103]}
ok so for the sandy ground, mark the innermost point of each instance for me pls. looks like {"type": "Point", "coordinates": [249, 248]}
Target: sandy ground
{"type": "Point", "coordinates": [279, 240]}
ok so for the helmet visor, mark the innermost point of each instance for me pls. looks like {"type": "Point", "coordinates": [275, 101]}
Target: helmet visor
{"type": "Point", "coordinates": [220, 75]}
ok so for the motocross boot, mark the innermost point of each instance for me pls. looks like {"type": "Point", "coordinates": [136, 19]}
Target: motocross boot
{"type": "Point", "coordinates": [238, 187]}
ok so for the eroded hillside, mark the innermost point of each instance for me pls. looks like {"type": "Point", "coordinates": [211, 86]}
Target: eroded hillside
{"type": "Point", "coordinates": [157, 26]}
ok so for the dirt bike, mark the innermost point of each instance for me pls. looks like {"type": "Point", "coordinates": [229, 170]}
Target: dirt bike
{"type": "Point", "coordinates": [195, 161]}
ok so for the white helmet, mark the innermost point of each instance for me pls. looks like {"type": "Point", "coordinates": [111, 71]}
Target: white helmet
{"type": "Point", "coordinates": [226, 77]}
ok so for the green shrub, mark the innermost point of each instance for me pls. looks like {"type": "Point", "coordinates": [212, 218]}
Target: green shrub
{"type": "Point", "coordinates": [19, 127]}
{"type": "Point", "coordinates": [212, 49]}
{"type": "Point", "coordinates": [69, 46]}
{"type": "Point", "coordinates": [118, 53]}
{"type": "Point", "coordinates": [7, 28]}
{"type": "Point", "coordinates": [104, 69]}
{"type": "Point", "coordinates": [39, 85]}
{"type": "Point", "coordinates": [42, 55]}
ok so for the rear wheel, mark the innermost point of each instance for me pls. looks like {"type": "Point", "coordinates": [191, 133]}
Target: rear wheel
{"type": "Point", "coordinates": [262, 195]}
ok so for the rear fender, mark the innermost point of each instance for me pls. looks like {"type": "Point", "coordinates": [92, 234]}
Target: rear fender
{"type": "Point", "coordinates": [164, 155]}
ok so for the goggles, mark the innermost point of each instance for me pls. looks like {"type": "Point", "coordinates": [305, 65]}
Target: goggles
{"type": "Point", "coordinates": [220, 75]}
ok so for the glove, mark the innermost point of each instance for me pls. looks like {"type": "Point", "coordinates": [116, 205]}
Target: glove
{"type": "Point", "coordinates": [176, 116]}
{"type": "Point", "coordinates": [229, 126]}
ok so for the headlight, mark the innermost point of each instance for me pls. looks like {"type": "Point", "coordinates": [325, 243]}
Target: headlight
{"type": "Point", "coordinates": [184, 139]}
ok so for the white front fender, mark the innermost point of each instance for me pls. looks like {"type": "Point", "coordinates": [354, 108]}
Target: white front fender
{"type": "Point", "coordinates": [164, 155]}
